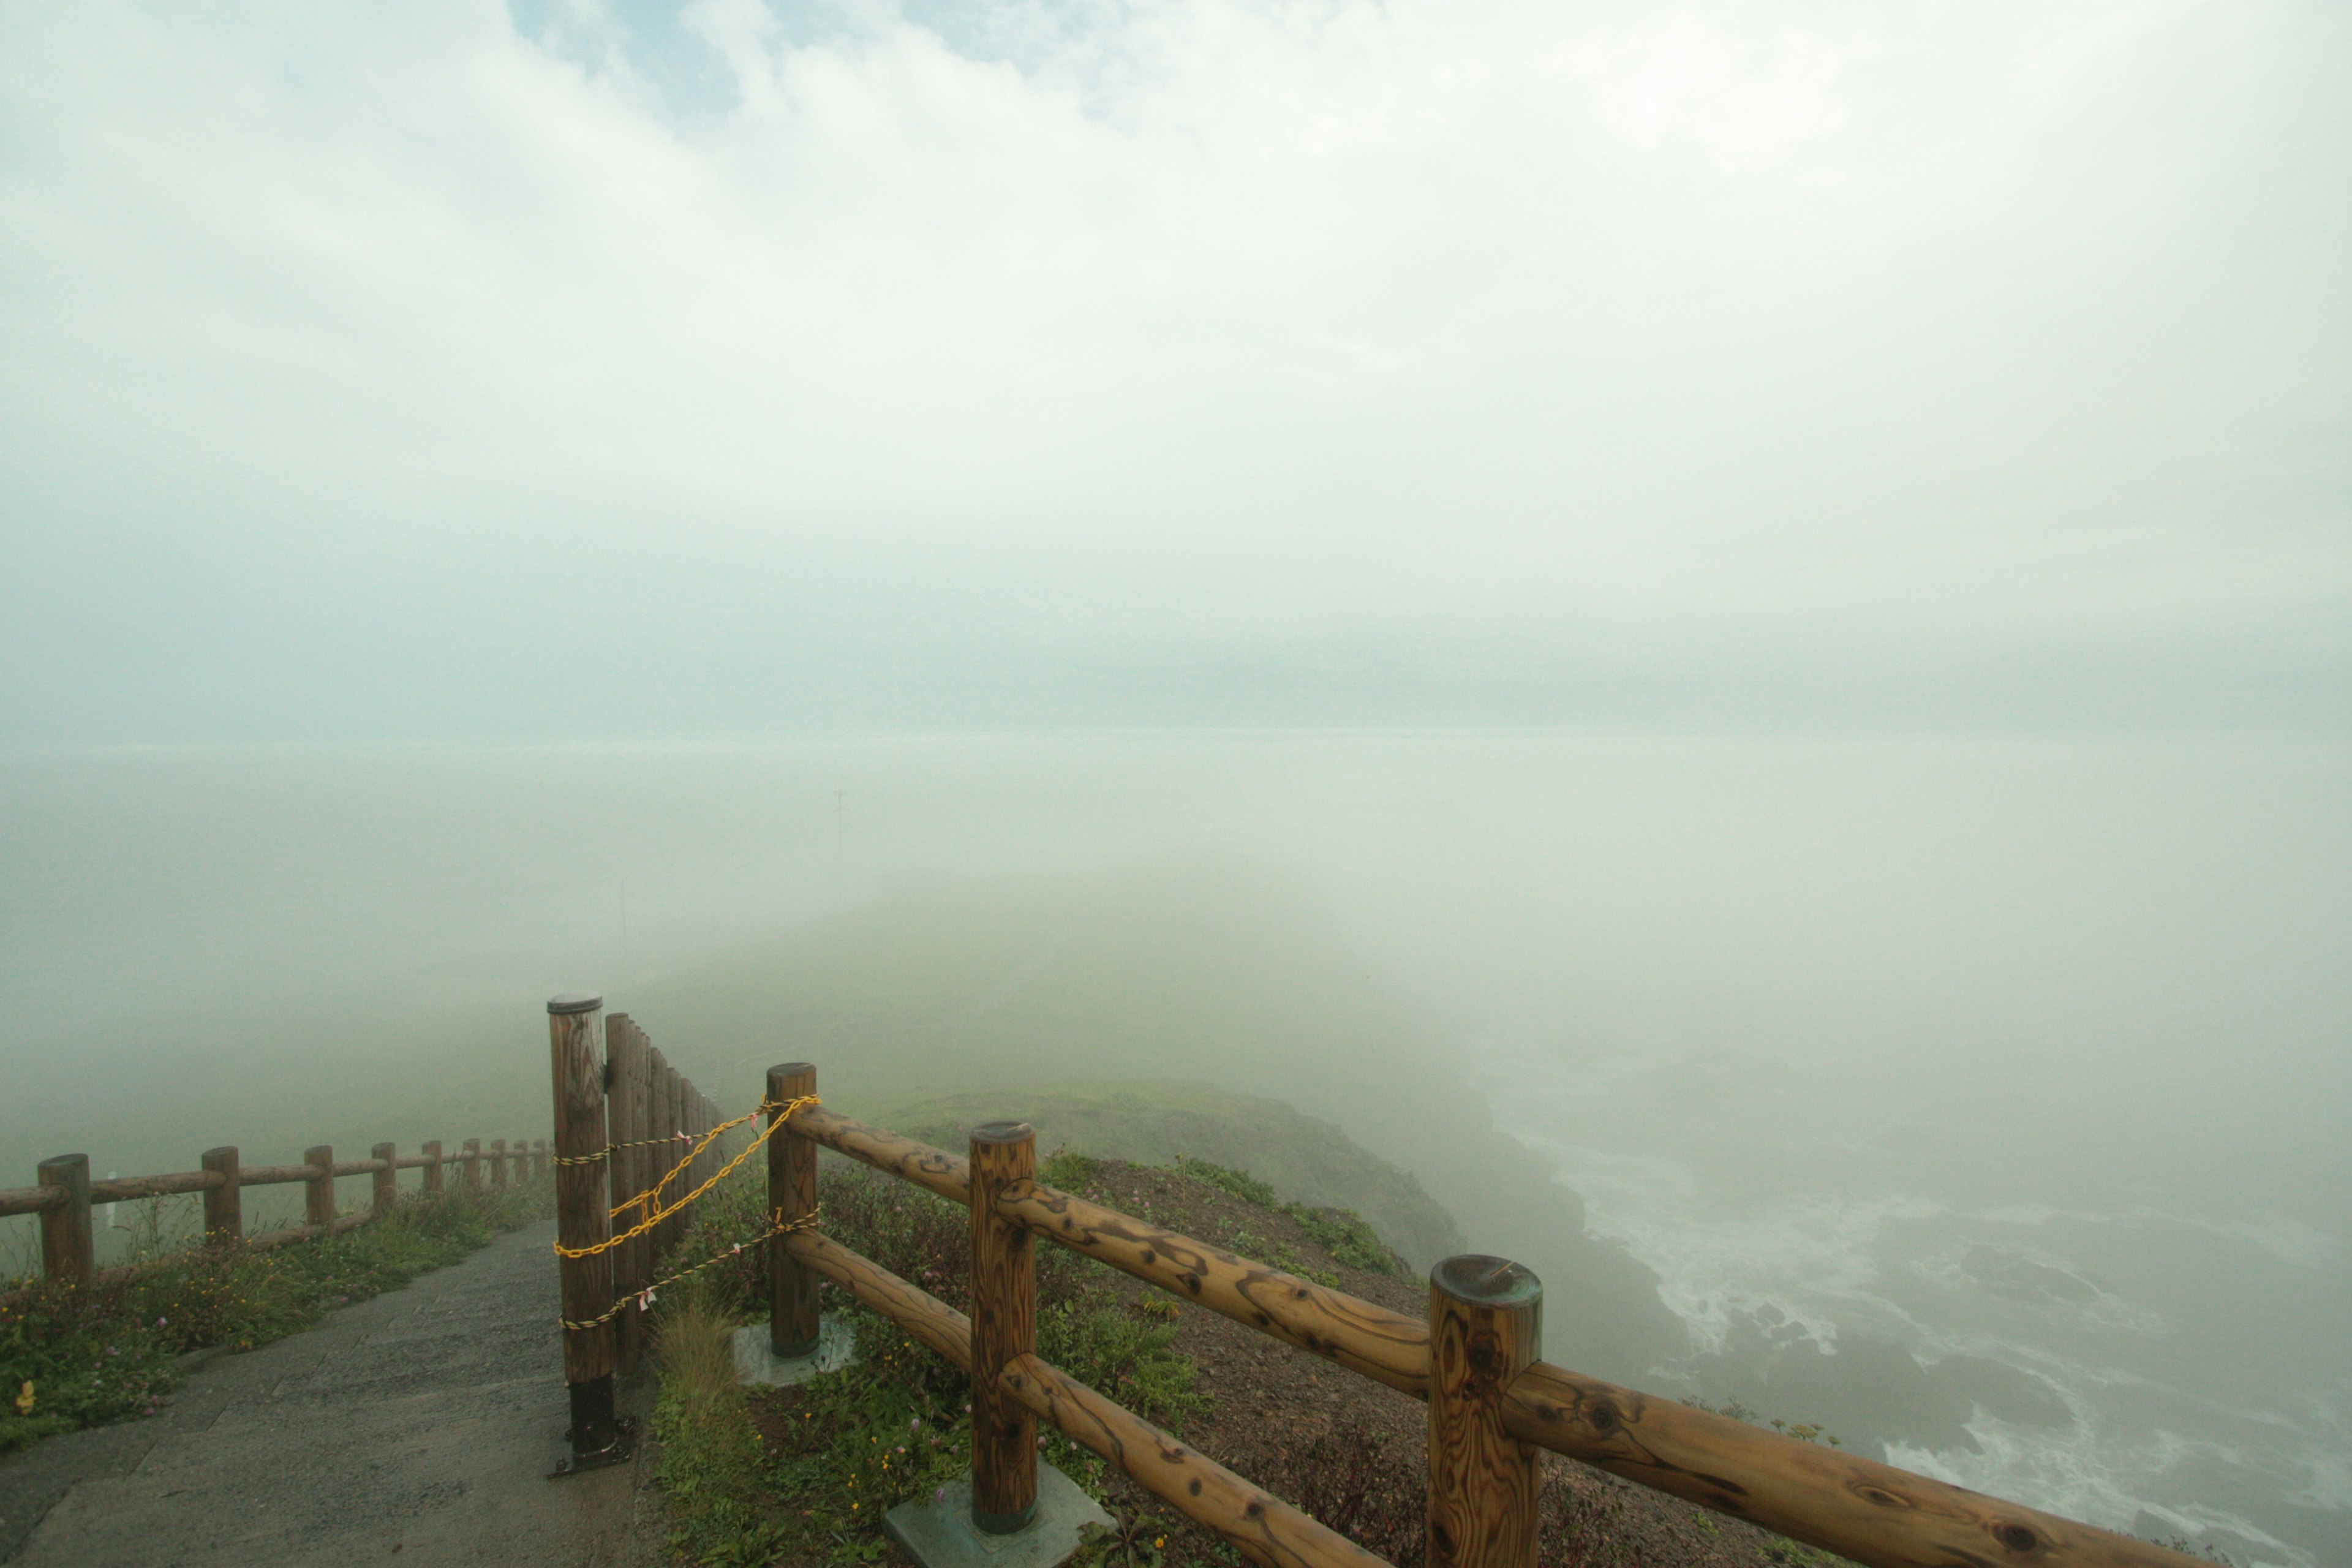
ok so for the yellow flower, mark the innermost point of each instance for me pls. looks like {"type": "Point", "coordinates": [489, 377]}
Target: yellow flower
{"type": "Point", "coordinates": [24, 1400]}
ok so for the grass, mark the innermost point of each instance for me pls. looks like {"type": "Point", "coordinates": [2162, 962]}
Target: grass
{"type": "Point", "coordinates": [1343, 1233]}
{"type": "Point", "coordinates": [805, 1474]}
{"type": "Point", "coordinates": [73, 1357]}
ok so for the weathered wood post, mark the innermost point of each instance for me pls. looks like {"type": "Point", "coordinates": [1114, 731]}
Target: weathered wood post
{"type": "Point", "coordinates": [473, 1161]}
{"type": "Point", "coordinates": [598, 1437]}
{"type": "Point", "coordinates": [433, 1167]}
{"type": "Point", "coordinates": [1485, 1325]}
{"type": "Point", "coordinates": [538, 1151]}
{"type": "Point", "coordinates": [68, 1253]}
{"type": "Point", "coordinates": [665, 1153]}
{"type": "Point", "coordinates": [1003, 1325]}
{"type": "Point", "coordinates": [792, 1195]}
{"type": "Point", "coordinates": [625, 1122]}
{"type": "Point", "coordinates": [224, 1204]}
{"type": "Point", "coordinates": [319, 1191]}
{"type": "Point", "coordinates": [497, 1164]}
{"type": "Point", "coordinates": [387, 1178]}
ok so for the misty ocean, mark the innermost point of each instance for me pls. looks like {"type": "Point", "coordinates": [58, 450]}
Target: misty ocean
{"type": "Point", "coordinates": [2007, 1075]}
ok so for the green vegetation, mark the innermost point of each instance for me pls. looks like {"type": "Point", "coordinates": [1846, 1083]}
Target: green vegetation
{"type": "Point", "coordinates": [805, 1474]}
{"type": "Point", "coordinates": [1342, 1233]}
{"type": "Point", "coordinates": [77, 1357]}
{"type": "Point", "coordinates": [1249, 1147]}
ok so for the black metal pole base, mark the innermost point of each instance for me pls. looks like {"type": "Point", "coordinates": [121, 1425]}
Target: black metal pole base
{"type": "Point", "coordinates": [598, 1437]}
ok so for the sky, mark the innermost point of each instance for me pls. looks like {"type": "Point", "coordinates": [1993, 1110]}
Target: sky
{"type": "Point", "coordinates": [577, 370]}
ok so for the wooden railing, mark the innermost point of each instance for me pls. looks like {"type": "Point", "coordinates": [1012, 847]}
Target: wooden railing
{"type": "Point", "coordinates": [66, 1193]}
{"type": "Point", "coordinates": [1475, 1358]}
{"type": "Point", "coordinates": [623, 1117]}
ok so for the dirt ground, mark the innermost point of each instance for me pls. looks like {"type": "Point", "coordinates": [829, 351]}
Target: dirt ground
{"type": "Point", "coordinates": [1352, 1452]}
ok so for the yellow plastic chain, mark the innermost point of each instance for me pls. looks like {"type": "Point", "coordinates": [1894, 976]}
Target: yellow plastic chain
{"type": "Point", "coordinates": [650, 1201]}
{"type": "Point", "coordinates": [644, 1297]}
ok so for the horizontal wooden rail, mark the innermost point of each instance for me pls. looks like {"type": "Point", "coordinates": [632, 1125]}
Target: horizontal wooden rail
{"type": "Point", "coordinates": [1860, 1509]}
{"type": "Point", "coordinates": [1857, 1507]}
{"type": "Point", "coordinates": [1269, 1530]}
{"type": "Point", "coordinates": [276, 1175]}
{"type": "Point", "coordinates": [1266, 1529]}
{"type": "Point", "coordinates": [31, 1200]}
{"type": "Point", "coordinates": [1385, 1346]}
{"type": "Point", "coordinates": [913, 1309]}
{"type": "Point", "coordinates": [124, 1188]}
{"type": "Point", "coordinates": [1374, 1340]}
{"type": "Point", "coordinates": [67, 1194]}
{"type": "Point", "coordinates": [934, 1168]}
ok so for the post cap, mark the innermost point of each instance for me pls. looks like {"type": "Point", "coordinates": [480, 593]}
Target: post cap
{"type": "Point", "coordinates": [575, 1001]}
{"type": "Point", "coordinates": [1485, 1281]}
{"type": "Point", "coordinates": [1004, 1132]}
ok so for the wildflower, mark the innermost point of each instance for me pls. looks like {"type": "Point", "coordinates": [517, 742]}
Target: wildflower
{"type": "Point", "coordinates": [24, 1400]}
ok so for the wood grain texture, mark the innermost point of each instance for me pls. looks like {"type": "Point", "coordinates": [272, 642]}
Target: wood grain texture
{"type": "Point", "coordinates": [224, 1204]}
{"type": "Point", "coordinates": [30, 1200]}
{"type": "Point", "coordinates": [1485, 1328]}
{"type": "Point", "coordinates": [661, 1112]}
{"type": "Point", "coordinates": [122, 1189]}
{"type": "Point", "coordinates": [318, 1192]}
{"type": "Point", "coordinates": [1866, 1511]}
{"type": "Point", "coordinates": [792, 1195]}
{"type": "Point", "coordinates": [1266, 1529]}
{"type": "Point", "coordinates": [386, 1193]}
{"type": "Point", "coordinates": [933, 1170]}
{"type": "Point", "coordinates": [577, 1067]}
{"type": "Point", "coordinates": [629, 1089]}
{"type": "Point", "coordinates": [68, 1253]}
{"type": "Point", "coordinates": [1003, 1328]}
{"type": "Point", "coordinates": [1871, 1512]}
{"type": "Point", "coordinates": [1386, 1346]}
{"type": "Point", "coordinates": [924, 1315]}
{"type": "Point", "coordinates": [433, 1165]}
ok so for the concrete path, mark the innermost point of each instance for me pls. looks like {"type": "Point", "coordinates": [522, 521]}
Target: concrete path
{"type": "Point", "coordinates": [416, 1429]}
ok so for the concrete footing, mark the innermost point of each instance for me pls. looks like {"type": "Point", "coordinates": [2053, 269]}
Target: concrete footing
{"type": "Point", "coordinates": [938, 1531]}
{"type": "Point", "coordinates": [756, 1361]}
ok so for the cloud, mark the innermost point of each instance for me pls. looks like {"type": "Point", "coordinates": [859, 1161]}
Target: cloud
{"type": "Point", "coordinates": [1139, 327]}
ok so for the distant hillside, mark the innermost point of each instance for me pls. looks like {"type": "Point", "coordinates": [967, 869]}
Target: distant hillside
{"type": "Point", "coordinates": [1206, 970]}
{"type": "Point", "coordinates": [1153, 1121]}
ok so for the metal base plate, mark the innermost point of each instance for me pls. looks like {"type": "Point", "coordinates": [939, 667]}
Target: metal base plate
{"type": "Point", "coordinates": [620, 1451]}
{"type": "Point", "coordinates": [938, 1531]}
{"type": "Point", "coordinates": [756, 1361]}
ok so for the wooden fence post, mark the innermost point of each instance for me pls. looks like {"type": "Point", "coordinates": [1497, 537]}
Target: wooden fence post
{"type": "Point", "coordinates": [433, 1167]}
{"type": "Point", "coordinates": [472, 1162]}
{"type": "Point", "coordinates": [497, 1164]}
{"type": "Point", "coordinates": [1003, 1326]}
{"type": "Point", "coordinates": [791, 1194]}
{"type": "Point", "coordinates": [625, 1112]}
{"type": "Point", "coordinates": [224, 1204]}
{"type": "Point", "coordinates": [665, 1153]}
{"type": "Point", "coordinates": [1485, 1325]}
{"type": "Point", "coordinates": [540, 1150]}
{"type": "Point", "coordinates": [387, 1179]}
{"type": "Point", "coordinates": [319, 1191]}
{"type": "Point", "coordinates": [68, 1253]}
{"type": "Point", "coordinates": [598, 1436]}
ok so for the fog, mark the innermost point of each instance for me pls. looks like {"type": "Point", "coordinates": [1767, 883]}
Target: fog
{"type": "Point", "coordinates": [1725, 632]}
{"type": "Point", "coordinates": [2009, 1070]}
